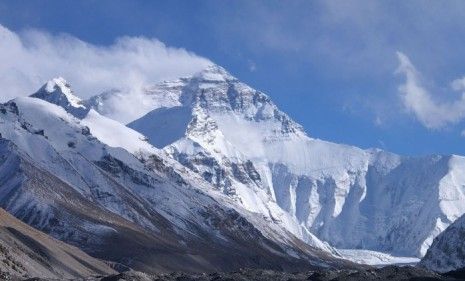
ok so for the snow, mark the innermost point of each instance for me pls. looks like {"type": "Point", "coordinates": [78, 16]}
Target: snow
{"type": "Point", "coordinates": [172, 128]}
{"type": "Point", "coordinates": [58, 91]}
{"type": "Point", "coordinates": [445, 252]}
{"type": "Point", "coordinates": [450, 198]}
{"type": "Point", "coordinates": [111, 103]}
{"type": "Point", "coordinates": [60, 83]}
{"type": "Point", "coordinates": [213, 73]}
{"type": "Point", "coordinates": [116, 134]}
{"type": "Point", "coordinates": [48, 117]}
{"type": "Point", "coordinates": [298, 152]}
{"type": "Point", "coordinates": [107, 130]}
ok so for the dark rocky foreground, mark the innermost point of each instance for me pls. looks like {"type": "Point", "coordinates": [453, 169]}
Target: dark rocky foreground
{"type": "Point", "coordinates": [385, 273]}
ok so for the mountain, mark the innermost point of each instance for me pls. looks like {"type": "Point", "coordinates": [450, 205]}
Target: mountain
{"type": "Point", "coordinates": [26, 252]}
{"type": "Point", "coordinates": [210, 175]}
{"type": "Point", "coordinates": [58, 91]}
{"type": "Point", "coordinates": [447, 253]}
{"type": "Point", "coordinates": [98, 185]}
{"type": "Point", "coordinates": [237, 139]}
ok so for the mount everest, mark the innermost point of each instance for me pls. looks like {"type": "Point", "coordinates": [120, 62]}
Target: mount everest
{"type": "Point", "coordinates": [238, 140]}
{"type": "Point", "coordinates": [211, 175]}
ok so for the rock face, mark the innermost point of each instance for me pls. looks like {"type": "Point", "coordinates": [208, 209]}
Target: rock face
{"type": "Point", "coordinates": [447, 253]}
{"type": "Point", "coordinates": [27, 252]}
{"type": "Point", "coordinates": [98, 185]}
{"type": "Point", "coordinates": [237, 139]}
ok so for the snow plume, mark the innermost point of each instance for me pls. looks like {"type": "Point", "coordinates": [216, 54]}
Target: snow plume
{"type": "Point", "coordinates": [28, 59]}
{"type": "Point", "coordinates": [431, 113]}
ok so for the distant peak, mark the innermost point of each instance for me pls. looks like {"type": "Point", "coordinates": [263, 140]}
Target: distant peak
{"type": "Point", "coordinates": [59, 86]}
{"type": "Point", "coordinates": [58, 91]}
{"type": "Point", "coordinates": [59, 82]}
{"type": "Point", "coordinates": [214, 68]}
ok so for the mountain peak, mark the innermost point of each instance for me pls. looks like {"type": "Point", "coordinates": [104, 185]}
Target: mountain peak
{"type": "Point", "coordinates": [57, 82]}
{"type": "Point", "coordinates": [58, 91]}
{"type": "Point", "coordinates": [214, 73]}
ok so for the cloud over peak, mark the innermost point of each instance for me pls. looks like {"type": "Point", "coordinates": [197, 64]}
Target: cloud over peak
{"type": "Point", "coordinates": [28, 59]}
{"type": "Point", "coordinates": [428, 109]}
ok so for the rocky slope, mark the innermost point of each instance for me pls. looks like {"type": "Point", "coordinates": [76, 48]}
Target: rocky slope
{"type": "Point", "coordinates": [26, 252]}
{"type": "Point", "coordinates": [237, 139]}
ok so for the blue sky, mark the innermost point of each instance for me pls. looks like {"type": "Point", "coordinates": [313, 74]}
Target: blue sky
{"type": "Point", "coordinates": [331, 65]}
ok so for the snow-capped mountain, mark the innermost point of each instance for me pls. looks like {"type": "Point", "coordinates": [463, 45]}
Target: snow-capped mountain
{"type": "Point", "coordinates": [211, 175]}
{"type": "Point", "coordinates": [447, 252]}
{"type": "Point", "coordinates": [95, 183]}
{"type": "Point", "coordinates": [58, 91]}
{"type": "Point", "coordinates": [237, 139]}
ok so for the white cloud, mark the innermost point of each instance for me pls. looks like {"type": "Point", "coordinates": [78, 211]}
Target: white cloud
{"type": "Point", "coordinates": [431, 113]}
{"type": "Point", "coordinates": [30, 58]}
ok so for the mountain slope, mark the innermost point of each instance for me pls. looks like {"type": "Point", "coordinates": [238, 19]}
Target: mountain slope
{"type": "Point", "coordinates": [447, 253]}
{"type": "Point", "coordinates": [239, 141]}
{"type": "Point", "coordinates": [26, 252]}
{"type": "Point", "coordinates": [72, 177]}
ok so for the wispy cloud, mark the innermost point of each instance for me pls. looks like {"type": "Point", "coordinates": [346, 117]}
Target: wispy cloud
{"type": "Point", "coordinates": [30, 58]}
{"type": "Point", "coordinates": [430, 111]}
